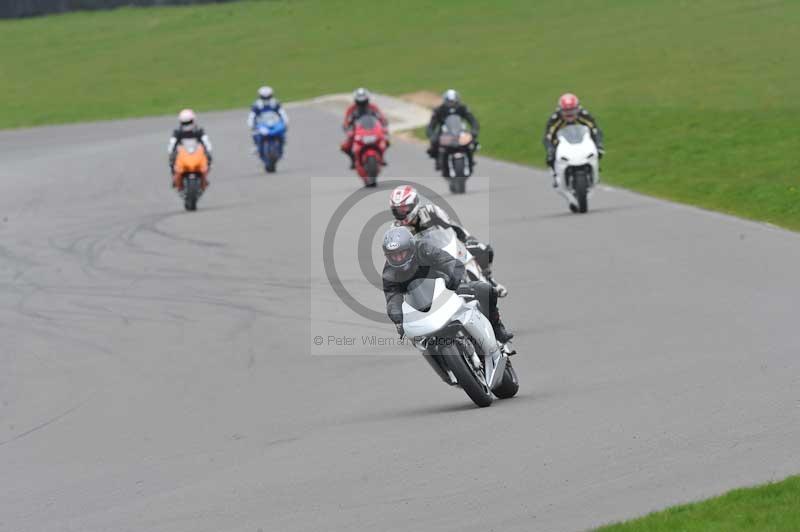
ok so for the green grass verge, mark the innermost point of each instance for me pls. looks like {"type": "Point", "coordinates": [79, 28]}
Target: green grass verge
{"type": "Point", "coordinates": [769, 508]}
{"type": "Point", "coordinates": [698, 98]}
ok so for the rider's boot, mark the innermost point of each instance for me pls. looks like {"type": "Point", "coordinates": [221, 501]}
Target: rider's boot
{"type": "Point", "coordinates": [500, 332]}
{"type": "Point", "coordinates": [439, 162]}
{"type": "Point", "coordinates": [349, 153]}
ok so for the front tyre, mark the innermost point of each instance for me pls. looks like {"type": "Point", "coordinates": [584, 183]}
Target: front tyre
{"type": "Point", "coordinates": [470, 379]}
{"type": "Point", "coordinates": [371, 166]}
{"type": "Point", "coordinates": [580, 184]}
{"type": "Point", "coordinates": [191, 186]}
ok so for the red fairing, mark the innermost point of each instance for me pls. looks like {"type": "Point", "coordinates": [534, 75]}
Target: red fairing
{"type": "Point", "coordinates": [368, 142]}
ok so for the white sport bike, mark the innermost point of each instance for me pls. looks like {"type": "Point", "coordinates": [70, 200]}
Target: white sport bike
{"type": "Point", "coordinates": [457, 341]}
{"type": "Point", "coordinates": [576, 166]}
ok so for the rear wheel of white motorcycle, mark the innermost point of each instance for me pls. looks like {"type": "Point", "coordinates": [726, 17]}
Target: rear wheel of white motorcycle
{"type": "Point", "coordinates": [509, 386]}
{"type": "Point", "coordinates": [580, 183]}
{"type": "Point", "coordinates": [469, 378]}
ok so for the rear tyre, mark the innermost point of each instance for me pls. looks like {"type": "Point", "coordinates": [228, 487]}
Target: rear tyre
{"type": "Point", "coordinates": [371, 166]}
{"type": "Point", "coordinates": [581, 187]}
{"type": "Point", "coordinates": [509, 386]}
{"type": "Point", "coordinates": [474, 385]}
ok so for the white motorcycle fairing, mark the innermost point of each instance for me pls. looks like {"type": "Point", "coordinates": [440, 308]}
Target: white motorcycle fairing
{"type": "Point", "coordinates": [575, 148]}
{"type": "Point", "coordinates": [447, 307]}
{"type": "Point", "coordinates": [446, 240]}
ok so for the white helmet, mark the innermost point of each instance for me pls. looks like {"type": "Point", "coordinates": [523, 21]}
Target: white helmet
{"type": "Point", "coordinates": [361, 95]}
{"type": "Point", "coordinates": [404, 203]}
{"type": "Point", "coordinates": [451, 97]}
{"type": "Point", "coordinates": [265, 92]}
{"type": "Point", "coordinates": [186, 117]}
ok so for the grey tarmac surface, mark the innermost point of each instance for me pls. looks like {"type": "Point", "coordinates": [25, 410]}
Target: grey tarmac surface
{"type": "Point", "coordinates": [158, 371]}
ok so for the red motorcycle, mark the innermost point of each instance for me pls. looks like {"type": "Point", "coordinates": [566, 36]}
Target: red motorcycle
{"type": "Point", "coordinates": [369, 145]}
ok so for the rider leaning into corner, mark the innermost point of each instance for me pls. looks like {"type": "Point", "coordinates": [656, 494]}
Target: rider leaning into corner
{"type": "Point", "coordinates": [408, 259]}
{"type": "Point", "coordinates": [409, 212]}
{"type": "Point", "coordinates": [451, 104]}
{"type": "Point", "coordinates": [188, 129]}
{"type": "Point", "coordinates": [266, 102]}
{"type": "Point", "coordinates": [569, 112]}
{"type": "Point", "coordinates": [361, 106]}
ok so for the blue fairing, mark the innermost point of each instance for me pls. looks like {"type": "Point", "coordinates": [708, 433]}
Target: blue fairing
{"type": "Point", "coordinates": [269, 135]}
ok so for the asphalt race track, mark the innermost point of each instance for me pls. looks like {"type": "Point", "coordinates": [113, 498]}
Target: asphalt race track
{"type": "Point", "coordinates": [158, 370]}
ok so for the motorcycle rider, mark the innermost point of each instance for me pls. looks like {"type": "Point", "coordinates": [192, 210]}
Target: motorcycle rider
{"type": "Point", "coordinates": [569, 112]}
{"type": "Point", "coordinates": [408, 259]}
{"type": "Point", "coordinates": [451, 104]}
{"type": "Point", "coordinates": [266, 102]}
{"type": "Point", "coordinates": [188, 129]}
{"type": "Point", "coordinates": [409, 212]}
{"type": "Point", "coordinates": [361, 106]}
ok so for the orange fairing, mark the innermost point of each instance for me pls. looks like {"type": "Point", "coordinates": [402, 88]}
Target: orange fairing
{"type": "Point", "coordinates": [195, 162]}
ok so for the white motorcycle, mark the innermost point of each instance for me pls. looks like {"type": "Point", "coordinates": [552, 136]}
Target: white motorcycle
{"type": "Point", "coordinates": [457, 341]}
{"type": "Point", "coordinates": [576, 166]}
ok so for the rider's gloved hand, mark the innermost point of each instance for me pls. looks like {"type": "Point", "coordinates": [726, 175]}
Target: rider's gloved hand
{"type": "Point", "coordinates": [449, 283]}
{"type": "Point", "coordinates": [600, 153]}
{"type": "Point", "coordinates": [472, 241]}
{"type": "Point", "coordinates": [400, 331]}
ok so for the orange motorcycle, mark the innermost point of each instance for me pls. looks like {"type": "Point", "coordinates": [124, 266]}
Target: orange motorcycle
{"type": "Point", "coordinates": [190, 172]}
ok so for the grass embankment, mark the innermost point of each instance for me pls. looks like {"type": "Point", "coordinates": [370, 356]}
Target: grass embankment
{"type": "Point", "coordinates": [699, 99]}
{"type": "Point", "coordinates": [769, 508]}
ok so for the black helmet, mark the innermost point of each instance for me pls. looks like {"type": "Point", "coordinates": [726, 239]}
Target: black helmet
{"type": "Point", "coordinates": [400, 248]}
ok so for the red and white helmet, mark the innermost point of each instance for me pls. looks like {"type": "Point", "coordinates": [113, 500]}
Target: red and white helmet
{"type": "Point", "coordinates": [404, 203]}
{"type": "Point", "coordinates": [186, 118]}
{"type": "Point", "coordinates": [570, 106]}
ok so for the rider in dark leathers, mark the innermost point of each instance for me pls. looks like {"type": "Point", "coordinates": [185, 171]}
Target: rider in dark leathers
{"type": "Point", "coordinates": [408, 259]}
{"type": "Point", "coordinates": [451, 104]}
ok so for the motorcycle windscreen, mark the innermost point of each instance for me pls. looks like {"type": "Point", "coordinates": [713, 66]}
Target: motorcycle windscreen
{"type": "Point", "coordinates": [420, 294]}
{"type": "Point", "coordinates": [269, 119]}
{"type": "Point", "coordinates": [444, 239]}
{"type": "Point", "coordinates": [573, 134]}
{"type": "Point", "coordinates": [367, 122]}
{"type": "Point", "coordinates": [190, 145]}
{"type": "Point", "coordinates": [452, 129]}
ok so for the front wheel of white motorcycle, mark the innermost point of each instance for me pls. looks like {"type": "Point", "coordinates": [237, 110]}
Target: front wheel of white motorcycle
{"type": "Point", "coordinates": [468, 377]}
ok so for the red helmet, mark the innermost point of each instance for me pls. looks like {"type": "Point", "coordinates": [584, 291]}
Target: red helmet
{"type": "Point", "coordinates": [404, 203]}
{"type": "Point", "coordinates": [569, 105]}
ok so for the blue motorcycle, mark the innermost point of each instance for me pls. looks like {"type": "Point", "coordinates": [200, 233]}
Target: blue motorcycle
{"type": "Point", "coordinates": [269, 135]}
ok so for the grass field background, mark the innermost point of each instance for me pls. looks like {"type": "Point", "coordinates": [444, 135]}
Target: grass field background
{"type": "Point", "coordinates": [769, 508]}
{"type": "Point", "coordinates": [698, 98]}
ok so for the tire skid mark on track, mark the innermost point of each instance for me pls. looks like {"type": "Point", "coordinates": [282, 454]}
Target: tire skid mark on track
{"type": "Point", "coordinates": [44, 424]}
